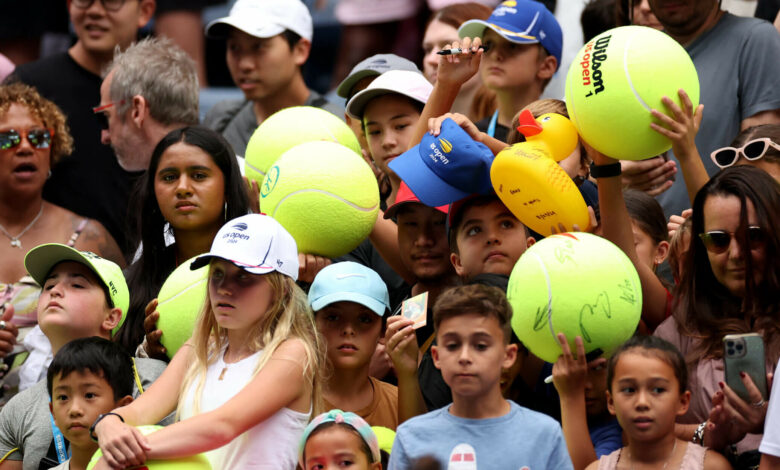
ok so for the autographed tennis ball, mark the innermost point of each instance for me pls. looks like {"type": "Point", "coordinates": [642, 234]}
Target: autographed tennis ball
{"type": "Point", "coordinates": [194, 462]}
{"type": "Point", "coordinates": [578, 284]}
{"type": "Point", "coordinates": [385, 437]}
{"type": "Point", "coordinates": [180, 301]}
{"type": "Point", "coordinates": [614, 82]}
{"type": "Point", "coordinates": [289, 127]}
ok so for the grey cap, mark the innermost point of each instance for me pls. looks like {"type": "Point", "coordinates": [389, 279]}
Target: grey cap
{"type": "Point", "coordinates": [372, 67]}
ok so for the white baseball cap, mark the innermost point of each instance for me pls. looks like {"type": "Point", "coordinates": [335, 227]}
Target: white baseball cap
{"type": "Point", "coordinates": [265, 19]}
{"type": "Point", "coordinates": [256, 243]}
{"type": "Point", "coordinates": [411, 84]}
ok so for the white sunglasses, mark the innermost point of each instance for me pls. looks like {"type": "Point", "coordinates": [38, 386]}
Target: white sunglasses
{"type": "Point", "coordinates": [753, 150]}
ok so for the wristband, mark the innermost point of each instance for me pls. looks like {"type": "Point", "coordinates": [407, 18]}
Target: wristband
{"type": "Point", "coordinates": [605, 171]}
{"type": "Point", "coordinates": [100, 418]}
{"type": "Point", "coordinates": [698, 434]}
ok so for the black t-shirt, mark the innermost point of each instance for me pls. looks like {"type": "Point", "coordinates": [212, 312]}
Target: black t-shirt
{"type": "Point", "coordinates": [88, 182]}
{"type": "Point", "coordinates": [501, 130]}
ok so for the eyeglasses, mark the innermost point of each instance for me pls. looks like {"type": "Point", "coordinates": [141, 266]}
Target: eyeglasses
{"type": "Point", "coordinates": [39, 138]}
{"type": "Point", "coordinates": [753, 150]}
{"type": "Point", "coordinates": [718, 241]}
{"type": "Point", "coordinates": [100, 113]}
{"type": "Point", "coordinates": [108, 5]}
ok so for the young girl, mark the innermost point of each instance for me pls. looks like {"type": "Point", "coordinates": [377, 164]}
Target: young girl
{"type": "Point", "coordinates": [255, 332]}
{"type": "Point", "coordinates": [192, 187]}
{"type": "Point", "coordinates": [646, 379]}
{"type": "Point", "coordinates": [338, 439]}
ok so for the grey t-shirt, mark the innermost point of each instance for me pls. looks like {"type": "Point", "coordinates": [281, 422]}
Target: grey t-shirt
{"type": "Point", "coordinates": [738, 62]}
{"type": "Point", "coordinates": [236, 120]}
{"type": "Point", "coordinates": [25, 421]}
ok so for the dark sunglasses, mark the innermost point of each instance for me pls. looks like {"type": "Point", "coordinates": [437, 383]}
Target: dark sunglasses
{"type": "Point", "coordinates": [108, 5]}
{"type": "Point", "coordinates": [753, 150]}
{"type": "Point", "coordinates": [718, 241]}
{"type": "Point", "coordinates": [38, 138]}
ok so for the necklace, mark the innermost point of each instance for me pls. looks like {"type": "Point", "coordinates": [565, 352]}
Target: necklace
{"type": "Point", "coordinates": [631, 461]}
{"type": "Point", "coordinates": [15, 239]}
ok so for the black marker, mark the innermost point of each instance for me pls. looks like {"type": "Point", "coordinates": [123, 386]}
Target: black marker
{"type": "Point", "coordinates": [454, 51]}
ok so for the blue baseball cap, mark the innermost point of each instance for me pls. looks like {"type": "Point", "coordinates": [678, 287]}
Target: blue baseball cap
{"type": "Point", "coordinates": [350, 282]}
{"type": "Point", "coordinates": [446, 168]}
{"type": "Point", "coordinates": [523, 22]}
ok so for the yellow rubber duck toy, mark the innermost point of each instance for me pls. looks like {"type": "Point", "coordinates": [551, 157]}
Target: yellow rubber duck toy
{"type": "Point", "coordinates": [529, 181]}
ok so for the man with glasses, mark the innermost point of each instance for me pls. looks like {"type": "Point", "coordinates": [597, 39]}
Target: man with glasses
{"type": "Point", "coordinates": [89, 182]}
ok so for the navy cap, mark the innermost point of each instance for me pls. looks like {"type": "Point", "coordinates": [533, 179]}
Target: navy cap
{"type": "Point", "coordinates": [446, 168]}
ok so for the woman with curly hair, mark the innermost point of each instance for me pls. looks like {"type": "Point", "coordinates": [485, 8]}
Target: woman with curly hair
{"type": "Point", "coordinates": [33, 137]}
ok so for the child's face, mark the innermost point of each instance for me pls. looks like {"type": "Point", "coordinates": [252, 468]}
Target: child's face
{"type": "Point", "coordinates": [73, 304]}
{"type": "Point", "coordinates": [490, 240]}
{"type": "Point", "coordinates": [422, 241]}
{"type": "Point", "coordinates": [389, 122]}
{"type": "Point", "coordinates": [351, 333]}
{"type": "Point", "coordinates": [508, 65]}
{"type": "Point", "coordinates": [470, 352]}
{"type": "Point", "coordinates": [336, 448]}
{"type": "Point", "coordinates": [596, 387]}
{"type": "Point", "coordinates": [650, 253]}
{"type": "Point", "coordinates": [645, 396]}
{"type": "Point", "coordinates": [77, 400]}
{"type": "Point", "coordinates": [239, 299]}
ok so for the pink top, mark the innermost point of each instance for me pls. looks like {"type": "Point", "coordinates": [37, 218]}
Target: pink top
{"type": "Point", "coordinates": [693, 459]}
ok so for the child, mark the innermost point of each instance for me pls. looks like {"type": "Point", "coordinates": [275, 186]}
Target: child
{"type": "Point", "coordinates": [472, 334]}
{"type": "Point", "coordinates": [83, 295]}
{"type": "Point", "coordinates": [87, 378]}
{"type": "Point", "coordinates": [647, 390]}
{"type": "Point", "coordinates": [255, 333]}
{"type": "Point", "coordinates": [349, 302]}
{"type": "Point", "coordinates": [338, 439]}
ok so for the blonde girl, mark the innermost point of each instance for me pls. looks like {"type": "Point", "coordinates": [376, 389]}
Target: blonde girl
{"type": "Point", "coordinates": [245, 384]}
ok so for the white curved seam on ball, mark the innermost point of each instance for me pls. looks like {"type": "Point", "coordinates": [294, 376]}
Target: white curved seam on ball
{"type": "Point", "coordinates": [253, 168]}
{"type": "Point", "coordinates": [628, 76]}
{"type": "Point", "coordinates": [332, 135]}
{"type": "Point", "coordinates": [335, 196]}
{"type": "Point", "coordinates": [189, 288]}
{"type": "Point", "coordinates": [549, 293]}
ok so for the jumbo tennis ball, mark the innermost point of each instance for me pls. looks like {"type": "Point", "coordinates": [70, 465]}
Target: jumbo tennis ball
{"type": "Point", "coordinates": [578, 284]}
{"type": "Point", "coordinates": [289, 127]}
{"type": "Point", "coordinates": [385, 437]}
{"type": "Point", "coordinates": [614, 81]}
{"type": "Point", "coordinates": [194, 462]}
{"type": "Point", "coordinates": [180, 301]}
{"type": "Point", "coordinates": [324, 194]}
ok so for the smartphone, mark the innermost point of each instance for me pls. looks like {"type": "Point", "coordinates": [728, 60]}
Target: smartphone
{"type": "Point", "coordinates": [745, 353]}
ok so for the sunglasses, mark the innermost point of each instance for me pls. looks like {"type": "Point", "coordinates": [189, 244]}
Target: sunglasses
{"type": "Point", "coordinates": [753, 150]}
{"type": "Point", "coordinates": [108, 5]}
{"type": "Point", "coordinates": [718, 241]}
{"type": "Point", "coordinates": [100, 113]}
{"type": "Point", "coordinates": [38, 138]}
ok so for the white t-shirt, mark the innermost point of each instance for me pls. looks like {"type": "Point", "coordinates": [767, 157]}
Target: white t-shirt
{"type": "Point", "coordinates": [271, 444]}
{"type": "Point", "coordinates": [770, 443]}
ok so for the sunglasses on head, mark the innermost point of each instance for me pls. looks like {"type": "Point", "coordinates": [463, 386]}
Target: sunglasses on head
{"type": "Point", "coordinates": [753, 150]}
{"type": "Point", "coordinates": [718, 241]}
{"type": "Point", "coordinates": [39, 138]}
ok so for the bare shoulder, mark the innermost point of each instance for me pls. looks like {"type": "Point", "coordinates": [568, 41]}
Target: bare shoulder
{"type": "Point", "coordinates": [593, 466]}
{"type": "Point", "coordinates": [292, 349]}
{"type": "Point", "coordinates": [715, 461]}
{"type": "Point", "coordinates": [95, 238]}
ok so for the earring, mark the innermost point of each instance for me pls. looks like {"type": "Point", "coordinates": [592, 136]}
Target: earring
{"type": "Point", "coordinates": [225, 211]}
{"type": "Point", "coordinates": [49, 175]}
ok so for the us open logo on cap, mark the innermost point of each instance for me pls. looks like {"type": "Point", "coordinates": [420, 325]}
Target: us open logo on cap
{"type": "Point", "coordinates": [506, 8]}
{"type": "Point", "coordinates": [240, 226]}
{"type": "Point", "coordinates": [446, 145]}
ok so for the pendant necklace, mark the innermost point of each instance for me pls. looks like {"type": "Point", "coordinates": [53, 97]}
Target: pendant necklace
{"type": "Point", "coordinates": [15, 239]}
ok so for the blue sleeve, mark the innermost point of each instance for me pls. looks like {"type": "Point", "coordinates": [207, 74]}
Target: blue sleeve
{"type": "Point", "coordinates": [607, 438]}
{"type": "Point", "coordinates": [758, 90]}
{"type": "Point", "coordinates": [559, 456]}
{"type": "Point", "coordinates": [399, 460]}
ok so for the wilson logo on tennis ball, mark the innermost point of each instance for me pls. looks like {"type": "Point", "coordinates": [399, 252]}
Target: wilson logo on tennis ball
{"type": "Point", "coordinates": [591, 63]}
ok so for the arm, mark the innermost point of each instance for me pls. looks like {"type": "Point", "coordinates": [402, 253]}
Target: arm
{"type": "Point", "coordinates": [768, 462]}
{"type": "Point", "coordinates": [495, 145]}
{"type": "Point", "coordinates": [569, 379]}
{"type": "Point", "coordinates": [14, 465]}
{"type": "Point", "coordinates": [682, 130]}
{"type": "Point", "coordinates": [453, 72]}
{"type": "Point", "coordinates": [715, 461]}
{"type": "Point", "coordinates": [402, 348]}
{"type": "Point", "coordinates": [616, 226]}
{"type": "Point", "coordinates": [95, 238]}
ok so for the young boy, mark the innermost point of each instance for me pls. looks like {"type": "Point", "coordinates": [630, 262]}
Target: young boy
{"type": "Point", "coordinates": [349, 302]}
{"type": "Point", "coordinates": [83, 295]}
{"type": "Point", "coordinates": [523, 43]}
{"type": "Point", "coordinates": [87, 378]}
{"type": "Point", "coordinates": [480, 429]}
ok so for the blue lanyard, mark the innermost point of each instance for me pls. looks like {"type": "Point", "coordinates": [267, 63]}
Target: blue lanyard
{"type": "Point", "coordinates": [59, 441]}
{"type": "Point", "coordinates": [491, 130]}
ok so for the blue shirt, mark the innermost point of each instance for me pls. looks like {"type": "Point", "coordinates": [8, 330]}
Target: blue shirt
{"type": "Point", "coordinates": [606, 437]}
{"type": "Point", "coordinates": [521, 439]}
